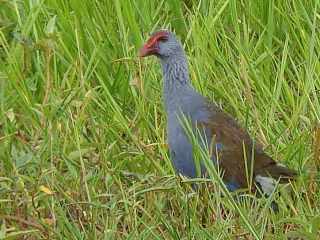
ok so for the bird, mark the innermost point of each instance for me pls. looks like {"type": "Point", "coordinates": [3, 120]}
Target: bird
{"type": "Point", "coordinates": [234, 149]}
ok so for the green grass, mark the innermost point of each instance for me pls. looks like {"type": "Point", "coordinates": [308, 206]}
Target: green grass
{"type": "Point", "coordinates": [82, 128]}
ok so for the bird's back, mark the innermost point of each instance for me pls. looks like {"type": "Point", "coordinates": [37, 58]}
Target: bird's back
{"type": "Point", "coordinates": [235, 151]}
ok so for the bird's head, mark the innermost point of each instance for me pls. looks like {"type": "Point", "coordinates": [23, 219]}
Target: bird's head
{"type": "Point", "coordinates": [162, 44]}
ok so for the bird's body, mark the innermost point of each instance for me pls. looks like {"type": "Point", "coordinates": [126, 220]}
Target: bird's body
{"type": "Point", "coordinates": [233, 149]}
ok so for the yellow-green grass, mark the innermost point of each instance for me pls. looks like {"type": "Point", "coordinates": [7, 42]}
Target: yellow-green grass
{"type": "Point", "coordinates": [82, 127]}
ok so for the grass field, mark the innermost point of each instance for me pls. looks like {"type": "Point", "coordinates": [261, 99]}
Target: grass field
{"type": "Point", "coordinates": [83, 151]}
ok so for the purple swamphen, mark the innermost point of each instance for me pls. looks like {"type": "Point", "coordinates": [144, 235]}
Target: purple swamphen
{"type": "Point", "coordinates": [231, 143]}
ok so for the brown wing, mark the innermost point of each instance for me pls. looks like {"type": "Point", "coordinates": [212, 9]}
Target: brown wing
{"type": "Point", "coordinates": [236, 151]}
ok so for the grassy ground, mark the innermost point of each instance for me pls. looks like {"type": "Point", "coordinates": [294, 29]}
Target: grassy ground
{"type": "Point", "coordinates": [82, 129]}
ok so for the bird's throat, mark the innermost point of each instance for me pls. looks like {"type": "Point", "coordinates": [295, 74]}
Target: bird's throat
{"type": "Point", "coordinates": [176, 80]}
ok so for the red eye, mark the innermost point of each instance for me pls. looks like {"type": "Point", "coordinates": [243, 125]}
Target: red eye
{"type": "Point", "coordinates": [152, 45]}
{"type": "Point", "coordinates": [156, 37]}
{"type": "Point", "coordinates": [163, 38]}
{"type": "Point", "coordinates": [161, 35]}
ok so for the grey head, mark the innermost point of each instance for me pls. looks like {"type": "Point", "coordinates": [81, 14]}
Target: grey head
{"type": "Point", "coordinates": [177, 89]}
{"type": "Point", "coordinates": [162, 44]}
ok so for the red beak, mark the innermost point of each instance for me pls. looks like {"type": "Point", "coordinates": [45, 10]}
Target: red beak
{"type": "Point", "coordinates": [148, 50]}
{"type": "Point", "coordinates": [144, 51]}
{"type": "Point", "coordinates": [151, 47]}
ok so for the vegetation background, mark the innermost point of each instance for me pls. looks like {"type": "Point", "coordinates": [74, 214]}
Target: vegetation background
{"type": "Point", "coordinates": [82, 129]}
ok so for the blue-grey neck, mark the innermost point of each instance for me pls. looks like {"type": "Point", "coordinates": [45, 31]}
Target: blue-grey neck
{"type": "Point", "coordinates": [176, 79]}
